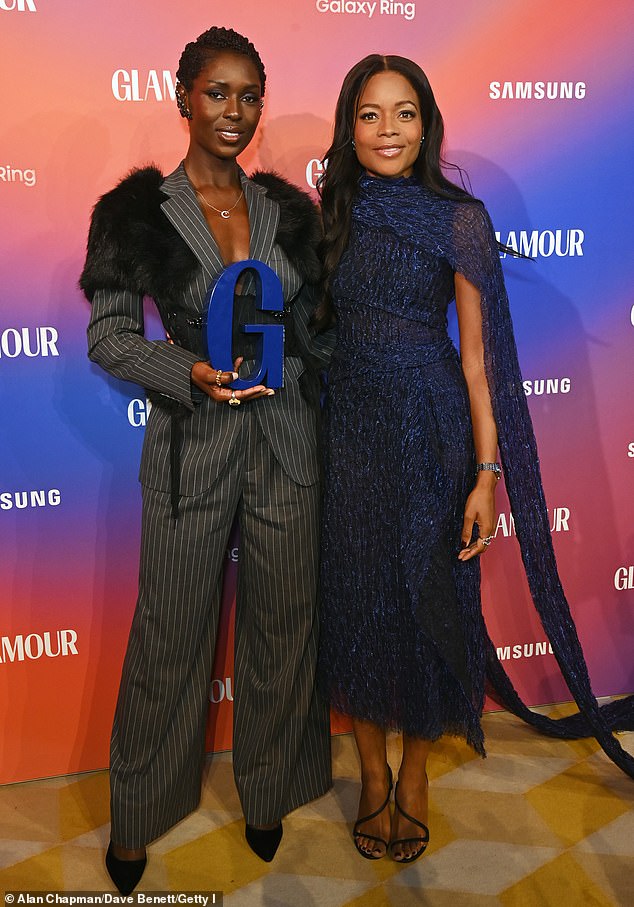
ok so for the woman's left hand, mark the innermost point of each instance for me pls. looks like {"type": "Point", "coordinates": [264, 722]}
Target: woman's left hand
{"type": "Point", "coordinates": [480, 509]}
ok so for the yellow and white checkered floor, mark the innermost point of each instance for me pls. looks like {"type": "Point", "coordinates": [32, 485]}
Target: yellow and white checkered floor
{"type": "Point", "coordinates": [539, 822]}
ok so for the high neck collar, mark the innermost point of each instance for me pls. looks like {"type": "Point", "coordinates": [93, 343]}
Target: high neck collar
{"type": "Point", "coordinates": [385, 187]}
{"type": "Point", "coordinates": [386, 183]}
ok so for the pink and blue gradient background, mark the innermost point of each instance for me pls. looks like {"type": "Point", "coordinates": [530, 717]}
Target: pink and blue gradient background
{"type": "Point", "coordinates": [537, 164]}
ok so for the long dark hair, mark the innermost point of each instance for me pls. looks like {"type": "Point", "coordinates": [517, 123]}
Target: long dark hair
{"type": "Point", "coordinates": [338, 184]}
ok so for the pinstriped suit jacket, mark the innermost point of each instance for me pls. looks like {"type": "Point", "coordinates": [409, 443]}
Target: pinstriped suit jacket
{"type": "Point", "coordinates": [210, 431]}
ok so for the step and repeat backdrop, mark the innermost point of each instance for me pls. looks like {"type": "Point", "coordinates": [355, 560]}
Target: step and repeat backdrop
{"type": "Point", "coordinates": [538, 106]}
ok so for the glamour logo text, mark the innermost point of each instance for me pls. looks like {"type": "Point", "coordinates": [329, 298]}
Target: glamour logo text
{"type": "Point", "coordinates": [134, 85]}
{"type": "Point", "coordinates": [50, 644]}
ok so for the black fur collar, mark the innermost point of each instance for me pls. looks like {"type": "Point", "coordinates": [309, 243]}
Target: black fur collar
{"type": "Point", "coordinates": [133, 246]}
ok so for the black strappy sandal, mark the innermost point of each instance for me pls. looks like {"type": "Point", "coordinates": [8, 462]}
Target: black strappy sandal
{"type": "Point", "coordinates": [423, 839]}
{"type": "Point", "coordinates": [356, 833]}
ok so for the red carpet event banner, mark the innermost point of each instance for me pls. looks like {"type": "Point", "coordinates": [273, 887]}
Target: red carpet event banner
{"type": "Point", "coordinates": [538, 107]}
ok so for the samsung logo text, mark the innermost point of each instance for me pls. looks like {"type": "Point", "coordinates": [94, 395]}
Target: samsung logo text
{"type": "Point", "coordinates": [23, 500]}
{"type": "Point", "coordinates": [537, 91]}
{"type": "Point", "coordinates": [524, 650]}
{"type": "Point", "coordinates": [539, 386]}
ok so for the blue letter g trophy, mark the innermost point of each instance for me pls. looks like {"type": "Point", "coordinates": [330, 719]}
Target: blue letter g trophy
{"type": "Point", "coordinates": [269, 366]}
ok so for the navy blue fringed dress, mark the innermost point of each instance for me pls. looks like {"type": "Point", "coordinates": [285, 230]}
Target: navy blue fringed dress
{"type": "Point", "coordinates": [403, 641]}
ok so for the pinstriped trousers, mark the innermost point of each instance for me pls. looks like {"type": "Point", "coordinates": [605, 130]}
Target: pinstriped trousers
{"type": "Point", "coordinates": [281, 743]}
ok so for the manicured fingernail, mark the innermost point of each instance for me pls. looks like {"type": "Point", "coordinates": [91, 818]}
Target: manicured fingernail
{"type": "Point", "coordinates": [234, 376]}
{"type": "Point", "coordinates": [270, 393]}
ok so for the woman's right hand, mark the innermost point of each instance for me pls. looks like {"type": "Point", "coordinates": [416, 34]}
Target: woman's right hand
{"type": "Point", "coordinates": [214, 383]}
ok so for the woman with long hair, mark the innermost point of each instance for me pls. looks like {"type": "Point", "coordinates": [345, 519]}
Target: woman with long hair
{"type": "Point", "coordinates": [413, 431]}
{"type": "Point", "coordinates": [210, 453]}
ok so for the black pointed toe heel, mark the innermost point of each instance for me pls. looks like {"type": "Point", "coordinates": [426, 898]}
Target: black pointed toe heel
{"type": "Point", "coordinates": [422, 840]}
{"type": "Point", "coordinates": [126, 874]}
{"type": "Point", "coordinates": [357, 833]}
{"type": "Point", "coordinates": [264, 841]}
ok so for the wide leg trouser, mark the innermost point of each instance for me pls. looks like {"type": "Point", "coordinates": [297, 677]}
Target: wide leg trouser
{"type": "Point", "coordinates": [281, 747]}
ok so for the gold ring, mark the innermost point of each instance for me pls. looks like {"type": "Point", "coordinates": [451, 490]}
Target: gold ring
{"type": "Point", "coordinates": [233, 400]}
{"type": "Point", "coordinates": [219, 378]}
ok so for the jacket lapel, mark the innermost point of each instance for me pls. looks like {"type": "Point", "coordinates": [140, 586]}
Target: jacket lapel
{"type": "Point", "coordinates": [183, 211]}
{"type": "Point", "coordinates": [264, 215]}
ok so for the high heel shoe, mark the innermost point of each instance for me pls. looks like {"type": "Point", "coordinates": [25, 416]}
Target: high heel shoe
{"type": "Point", "coordinates": [423, 839]}
{"type": "Point", "coordinates": [264, 841]}
{"type": "Point", "coordinates": [126, 874]}
{"type": "Point", "coordinates": [357, 833]}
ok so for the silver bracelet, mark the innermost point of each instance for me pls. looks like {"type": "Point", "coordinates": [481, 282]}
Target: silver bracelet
{"type": "Point", "coordinates": [490, 467]}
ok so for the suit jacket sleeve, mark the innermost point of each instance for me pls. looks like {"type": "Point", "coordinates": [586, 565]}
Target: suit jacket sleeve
{"type": "Point", "coordinates": [318, 347]}
{"type": "Point", "coordinates": [116, 342]}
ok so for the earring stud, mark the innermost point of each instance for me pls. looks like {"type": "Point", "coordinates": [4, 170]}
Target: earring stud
{"type": "Point", "coordinates": [182, 107]}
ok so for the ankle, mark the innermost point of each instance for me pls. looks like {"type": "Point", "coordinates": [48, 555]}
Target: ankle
{"type": "Point", "coordinates": [127, 854]}
{"type": "Point", "coordinates": [375, 773]}
{"type": "Point", "coordinates": [412, 777]}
